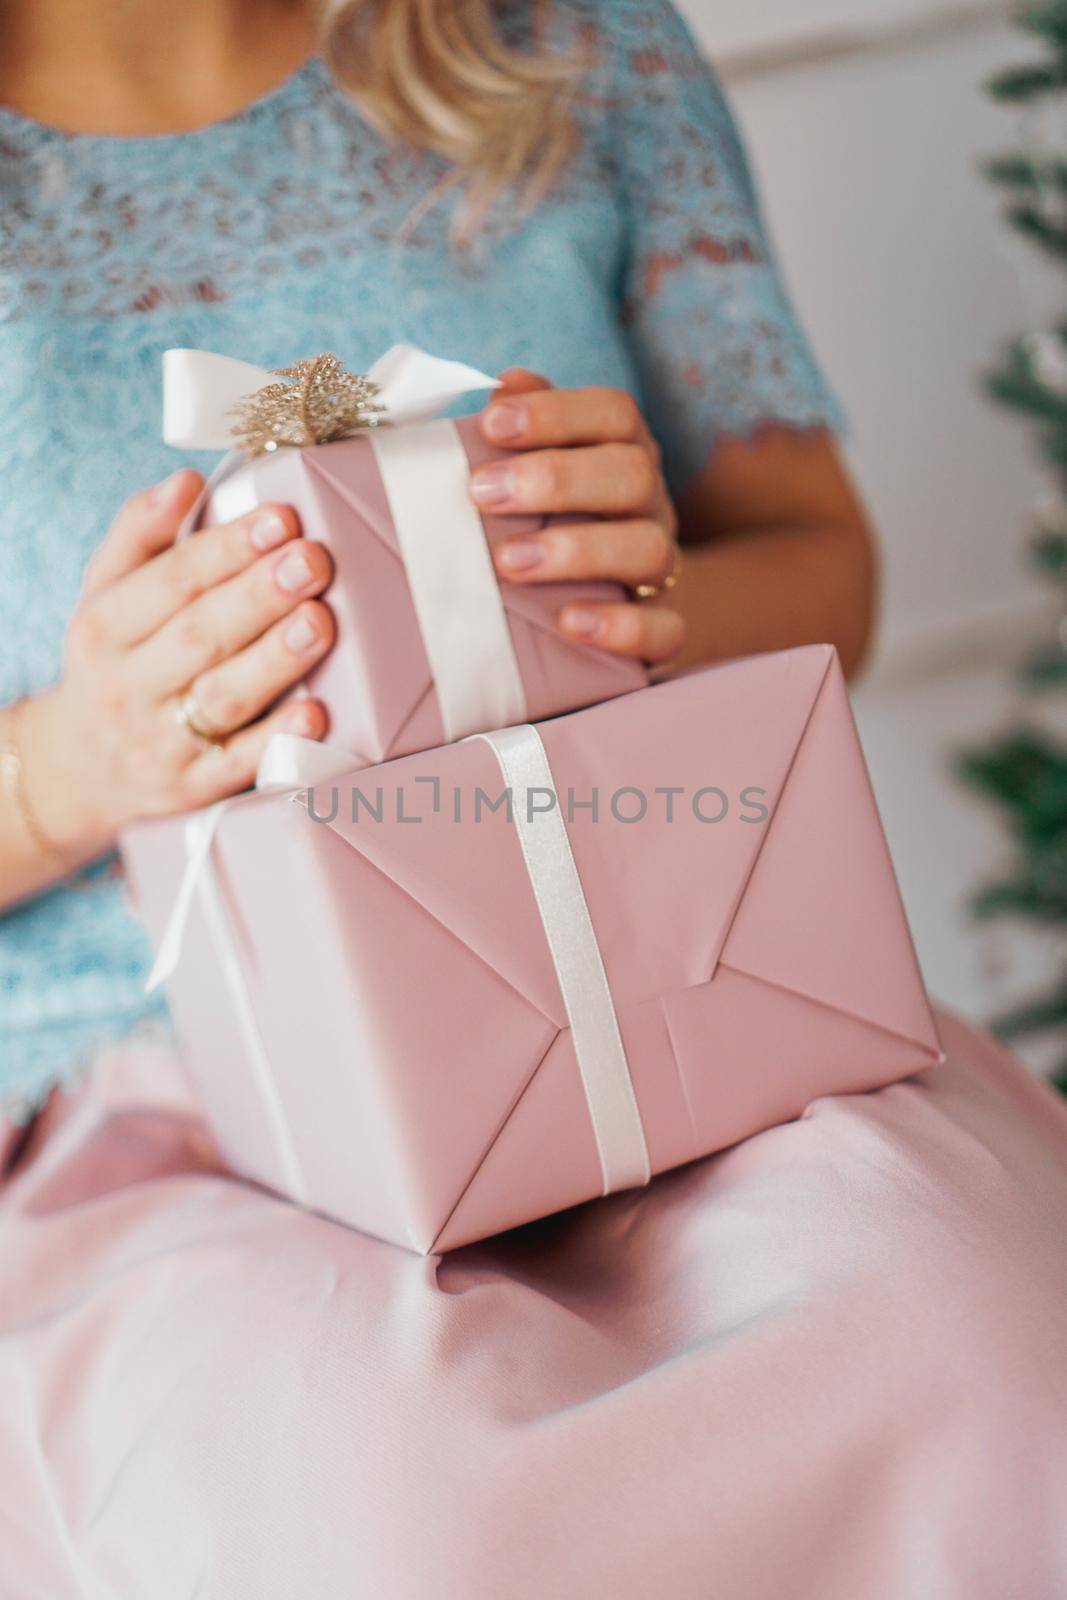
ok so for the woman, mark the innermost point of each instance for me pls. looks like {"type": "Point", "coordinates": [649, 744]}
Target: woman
{"type": "Point", "coordinates": [206, 1391]}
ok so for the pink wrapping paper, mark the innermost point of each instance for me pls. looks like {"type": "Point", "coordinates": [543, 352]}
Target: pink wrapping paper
{"type": "Point", "coordinates": [376, 683]}
{"type": "Point", "coordinates": [417, 1050]}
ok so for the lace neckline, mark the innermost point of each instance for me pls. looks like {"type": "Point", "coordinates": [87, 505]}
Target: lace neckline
{"type": "Point", "coordinates": [284, 95]}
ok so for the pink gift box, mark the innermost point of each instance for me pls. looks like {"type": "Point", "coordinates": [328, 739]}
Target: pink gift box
{"type": "Point", "coordinates": [381, 1026]}
{"type": "Point", "coordinates": [377, 683]}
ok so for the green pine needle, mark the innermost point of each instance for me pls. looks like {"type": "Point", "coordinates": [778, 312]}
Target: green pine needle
{"type": "Point", "coordinates": [1048, 20]}
{"type": "Point", "coordinates": [1048, 552]}
{"type": "Point", "coordinates": [1020, 900]}
{"type": "Point", "coordinates": [1035, 1016]}
{"type": "Point", "coordinates": [1019, 84]}
{"type": "Point", "coordinates": [1017, 386]}
{"type": "Point", "coordinates": [1014, 171]}
{"type": "Point", "coordinates": [1045, 670]}
{"type": "Point", "coordinates": [1052, 443]}
{"type": "Point", "coordinates": [1024, 772]}
{"type": "Point", "coordinates": [1033, 224]}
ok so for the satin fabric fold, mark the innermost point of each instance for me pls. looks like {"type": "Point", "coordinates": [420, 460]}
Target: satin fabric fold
{"type": "Point", "coordinates": [829, 1364]}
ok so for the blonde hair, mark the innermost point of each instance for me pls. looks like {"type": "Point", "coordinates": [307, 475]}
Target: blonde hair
{"type": "Point", "coordinates": [438, 75]}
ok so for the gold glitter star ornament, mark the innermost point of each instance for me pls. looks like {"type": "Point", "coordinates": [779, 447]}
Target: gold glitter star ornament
{"type": "Point", "coordinates": [317, 402]}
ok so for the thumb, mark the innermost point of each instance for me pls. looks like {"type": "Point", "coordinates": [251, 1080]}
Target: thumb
{"type": "Point", "coordinates": [517, 380]}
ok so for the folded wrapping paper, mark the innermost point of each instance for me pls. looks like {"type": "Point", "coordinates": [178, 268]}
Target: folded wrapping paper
{"type": "Point", "coordinates": [431, 647]}
{"type": "Point", "coordinates": [437, 1025]}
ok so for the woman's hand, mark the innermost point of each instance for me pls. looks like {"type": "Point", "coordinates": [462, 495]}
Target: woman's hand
{"type": "Point", "coordinates": [585, 451]}
{"type": "Point", "coordinates": [227, 619]}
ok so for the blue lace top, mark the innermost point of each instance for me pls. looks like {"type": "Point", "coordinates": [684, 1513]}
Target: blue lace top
{"type": "Point", "coordinates": [293, 228]}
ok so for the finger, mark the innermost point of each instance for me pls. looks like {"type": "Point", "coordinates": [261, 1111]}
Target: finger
{"type": "Point", "coordinates": [232, 695]}
{"type": "Point", "coordinates": [230, 616]}
{"type": "Point", "coordinates": [649, 632]}
{"type": "Point", "coordinates": [637, 551]}
{"type": "Point", "coordinates": [231, 768]}
{"type": "Point", "coordinates": [614, 479]}
{"type": "Point", "coordinates": [133, 609]}
{"type": "Point", "coordinates": [146, 525]}
{"type": "Point", "coordinates": [562, 417]}
{"type": "Point", "coordinates": [520, 380]}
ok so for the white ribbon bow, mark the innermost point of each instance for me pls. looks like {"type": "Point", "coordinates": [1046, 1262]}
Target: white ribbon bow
{"type": "Point", "coordinates": [201, 390]}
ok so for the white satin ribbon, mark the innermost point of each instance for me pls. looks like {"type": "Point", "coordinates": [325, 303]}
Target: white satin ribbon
{"type": "Point", "coordinates": [289, 764]}
{"type": "Point", "coordinates": [256, 1055]}
{"type": "Point", "coordinates": [598, 1046]}
{"type": "Point", "coordinates": [425, 473]}
{"type": "Point", "coordinates": [454, 588]}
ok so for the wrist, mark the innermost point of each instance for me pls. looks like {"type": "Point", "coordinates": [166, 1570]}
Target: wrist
{"type": "Point", "coordinates": [55, 792]}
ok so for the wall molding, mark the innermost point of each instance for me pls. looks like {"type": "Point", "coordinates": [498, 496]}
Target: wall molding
{"type": "Point", "coordinates": [993, 640]}
{"type": "Point", "coordinates": [818, 44]}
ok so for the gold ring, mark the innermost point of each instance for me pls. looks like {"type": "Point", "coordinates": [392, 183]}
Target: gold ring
{"type": "Point", "coordinates": [651, 591]}
{"type": "Point", "coordinates": [191, 717]}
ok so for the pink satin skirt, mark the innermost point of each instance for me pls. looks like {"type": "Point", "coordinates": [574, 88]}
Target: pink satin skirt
{"type": "Point", "coordinates": [830, 1364]}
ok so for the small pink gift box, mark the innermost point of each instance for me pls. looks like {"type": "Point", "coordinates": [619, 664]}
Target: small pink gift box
{"type": "Point", "coordinates": [434, 1020]}
{"type": "Point", "coordinates": [431, 646]}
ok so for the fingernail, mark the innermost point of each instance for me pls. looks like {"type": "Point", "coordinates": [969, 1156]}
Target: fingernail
{"type": "Point", "coordinates": [168, 489]}
{"type": "Point", "coordinates": [300, 719]}
{"type": "Point", "coordinates": [300, 635]}
{"type": "Point", "coordinates": [493, 486]}
{"type": "Point", "coordinates": [505, 421]}
{"type": "Point", "coordinates": [294, 573]}
{"type": "Point", "coordinates": [583, 622]}
{"type": "Point", "coordinates": [521, 555]}
{"type": "Point", "coordinates": [267, 530]}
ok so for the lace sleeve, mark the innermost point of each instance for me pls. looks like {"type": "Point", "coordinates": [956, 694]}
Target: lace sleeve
{"type": "Point", "coordinates": [717, 343]}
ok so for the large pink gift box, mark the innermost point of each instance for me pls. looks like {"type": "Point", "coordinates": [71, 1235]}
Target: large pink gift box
{"type": "Point", "coordinates": [438, 1021]}
{"type": "Point", "coordinates": [378, 683]}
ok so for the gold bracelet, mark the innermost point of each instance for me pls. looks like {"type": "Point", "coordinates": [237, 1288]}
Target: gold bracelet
{"type": "Point", "coordinates": [13, 783]}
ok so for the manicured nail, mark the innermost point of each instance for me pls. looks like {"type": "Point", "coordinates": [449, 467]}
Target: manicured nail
{"type": "Point", "coordinates": [300, 719]}
{"type": "Point", "coordinates": [294, 573]}
{"type": "Point", "coordinates": [521, 555]}
{"type": "Point", "coordinates": [300, 635]}
{"type": "Point", "coordinates": [168, 490]}
{"type": "Point", "coordinates": [493, 486]}
{"type": "Point", "coordinates": [583, 622]}
{"type": "Point", "coordinates": [506, 421]}
{"type": "Point", "coordinates": [267, 529]}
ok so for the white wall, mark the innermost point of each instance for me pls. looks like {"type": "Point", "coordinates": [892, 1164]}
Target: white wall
{"type": "Point", "coordinates": [907, 281]}
{"type": "Point", "coordinates": [866, 120]}
{"type": "Point", "coordinates": [744, 28]}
